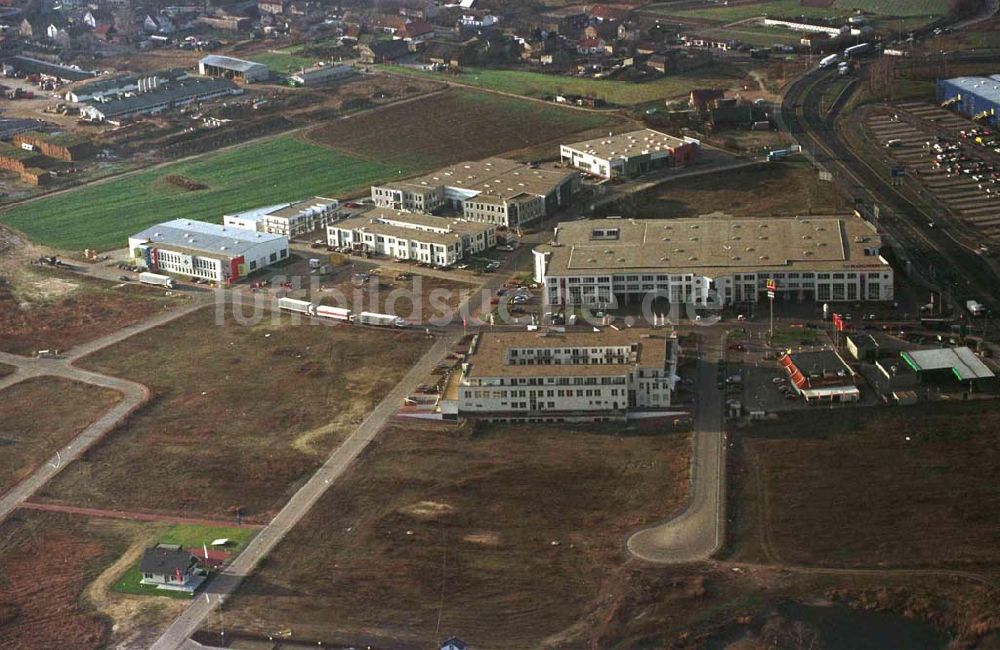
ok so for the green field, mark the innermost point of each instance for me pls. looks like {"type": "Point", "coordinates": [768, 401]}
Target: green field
{"type": "Point", "coordinates": [795, 8]}
{"type": "Point", "coordinates": [623, 93]}
{"type": "Point", "coordinates": [102, 216]}
{"type": "Point", "coordinates": [283, 61]}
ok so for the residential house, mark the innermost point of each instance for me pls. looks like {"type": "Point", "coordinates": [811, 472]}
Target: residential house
{"type": "Point", "coordinates": [629, 32]}
{"type": "Point", "coordinates": [417, 31]}
{"type": "Point", "coordinates": [272, 7]}
{"type": "Point", "coordinates": [701, 98]}
{"type": "Point", "coordinates": [167, 566]}
{"type": "Point", "coordinates": [454, 643]}
{"type": "Point", "coordinates": [478, 20]}
{"type": "Point", "coordinates": [158, 24]}
{"type": "Point", "coordinates": [564, 20]}
{"type": "Point", "coordinates": [590, 46]}
{"type": "Point", "coordinates": [95, 17]}
{"type": "Point", "coordinates": [387, 23]}
{"type": "Point", "coordinates": [657, 62]}
{"type": "Point", "coordinates": [383, 51]}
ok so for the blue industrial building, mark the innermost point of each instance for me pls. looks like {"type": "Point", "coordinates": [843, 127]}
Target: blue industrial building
{"type": "Point", "coordinates": [974, 97]}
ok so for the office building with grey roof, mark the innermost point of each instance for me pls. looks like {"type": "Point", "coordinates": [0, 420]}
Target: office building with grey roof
{"type": "Point", "coordinates": [713, 261]}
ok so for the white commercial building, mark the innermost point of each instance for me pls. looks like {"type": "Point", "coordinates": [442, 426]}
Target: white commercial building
{"type": "Point", "coordinates": [196, 249]}
{"type": "Point", "coordinates": [216, 65]}
{"type": "Point", "coordinates": [288, 219]}
{"type": "Point", "coordinates": [416, 236]}
{"type": "Point", "coordinates": [630, 154]}
{"type": "Point", "coordinates": [713, 261]}
{"type": "Point", "coordinates": [553, 374]}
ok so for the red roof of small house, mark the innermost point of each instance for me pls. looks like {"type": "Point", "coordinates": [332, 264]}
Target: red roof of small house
{"type": "Point", "coordinates": [589, 43]}
{"type": "Point", "coordinates": [416, 28]}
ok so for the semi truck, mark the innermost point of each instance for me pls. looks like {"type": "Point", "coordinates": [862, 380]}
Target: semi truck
{"type": "Point", "coordinates": [380, 320]}
{"type": "Point", "coordinates": [975, 307]}
{"type": "Point", "coordinates": [156, 279]}
{"type": "Point", "coordinates": [858, 50]}
{"type": "Point", "coordinates": [299, 306]}
{"type": "Point", "coordinates": [827, 61]}
{"type": "Point", "coordinates": [334, 313]}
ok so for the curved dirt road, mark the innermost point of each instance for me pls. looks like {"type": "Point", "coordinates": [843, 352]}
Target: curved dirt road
{"type": "Point", "coordinates": [696, 533]}
{"type": "Point", "coordinates": [133, 394]}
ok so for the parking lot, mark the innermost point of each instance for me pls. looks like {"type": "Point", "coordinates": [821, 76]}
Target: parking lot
{"type": "Point", "coordinates": [956, 160]}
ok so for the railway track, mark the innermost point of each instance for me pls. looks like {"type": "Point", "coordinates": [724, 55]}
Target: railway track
{"type": "Point", "coordinates": [934, 258]}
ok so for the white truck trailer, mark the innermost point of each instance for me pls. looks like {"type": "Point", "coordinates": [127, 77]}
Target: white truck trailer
{"type": "Point", "coordinates": [380, 320]}
{"type": "Point", "coordinates": [334, 313]}
{"type": "Point", "coordinates": [858, 50]}
{"type": "Point", "coordinates": [156, 279]}
{"type": "Point", "coordinates": [975, 307]}
{"type": "Point", "coordinates": [298, 306]}
{"type": "Point", "coordinates": [827, 61]}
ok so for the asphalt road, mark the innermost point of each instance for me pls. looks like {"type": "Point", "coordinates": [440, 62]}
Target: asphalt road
{"type": "Point", "coordinates": [697, 532]}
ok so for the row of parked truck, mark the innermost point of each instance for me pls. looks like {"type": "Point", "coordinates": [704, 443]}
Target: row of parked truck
{"type": "Point", "coordinates": [340, 313]}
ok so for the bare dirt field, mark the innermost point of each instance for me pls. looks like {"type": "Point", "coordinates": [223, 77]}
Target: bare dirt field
{"type": "Point", "coordinates": [39, 416]}
{"type": "Point", "coordinates": [6, 370]}
{"type": "Point", "coordinates": [46, 561]}
{"type": "Point", "coordinates": [239, 414]}
{"type": "Point", "coordinates": [512, 535]}
{"type": "Point", "coordinates": [43, 308]}
{"type": "Point", "coordinates": [906, 488]}
{"type": "Point", "coordinates": [422, 133]}
{"type": "Point", "coordinates": [776, 189]}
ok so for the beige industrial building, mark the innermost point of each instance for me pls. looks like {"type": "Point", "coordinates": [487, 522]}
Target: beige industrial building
{"type": "Point", "coordinates": [495, 190]}
{"type": "Point", "coordinates": [289, 219]}
{"type": "Point", "coordinates": [713, 261]}
{"type": "Point", "coordinates": [441, 241]}
{"type": "Point", "coordinates": [517, 375]}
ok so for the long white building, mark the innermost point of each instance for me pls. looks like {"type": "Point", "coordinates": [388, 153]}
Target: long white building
{"type": "Point", "coordinates": [416, 236]}
{"type": "Point", "coordinates": [196, 249]}
{"type": "Point", "coordinates": [289, 219]}
{"type": "Point", "coordinates": [630, 154]}
{"type": "Point", "coordinates": [552, 375]}
{"type": "Point", "coordinates": [713, 261]}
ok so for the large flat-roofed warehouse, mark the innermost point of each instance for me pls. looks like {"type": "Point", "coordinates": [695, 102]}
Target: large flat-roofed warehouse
{"type": "Point", "coordinates": [975, 97]}
{"type": "Point", "coordinates": [495, 190]}
{"type": "Point", "coordinates": [708, 261]}
{"type": "Point", "coordinates": [289, 219]}
{"type": "Point", "coordinates": [216, 65]}
{"type": "Point", "coordinates": [630, 154]}
{"type": "Point", "coordinates": [197, 249]}
{"type": "Point", "coordinates": [441, 241]}
{"type": "Point", "coordinates": [956, 363]}
{"type": "Point", "coordinates": [530, 373]}
{"type": "Point", "coordinates": [159, 99]}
